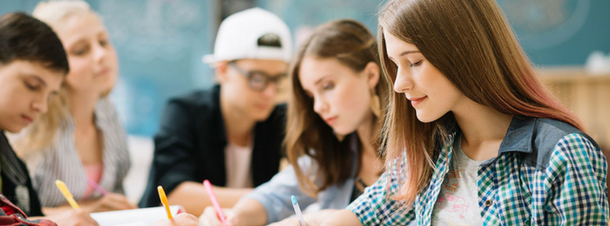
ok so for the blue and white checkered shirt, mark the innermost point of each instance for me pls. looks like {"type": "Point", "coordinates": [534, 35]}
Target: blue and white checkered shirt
{"type": "Point", "coordinates": [546, 173]}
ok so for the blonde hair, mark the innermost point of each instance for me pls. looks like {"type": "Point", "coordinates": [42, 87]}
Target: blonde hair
{"type": "Point", "coordinates": [54, 12]}
{"type": "Point", "coordinates": [41, 133]}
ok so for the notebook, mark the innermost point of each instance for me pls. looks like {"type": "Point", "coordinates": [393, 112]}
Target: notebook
{"type": "Point", "coordinates": [135, 217]}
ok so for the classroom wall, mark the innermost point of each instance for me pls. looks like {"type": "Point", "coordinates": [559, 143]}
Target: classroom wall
{"type": "Point", "coordinates": [160, 42]}
{"type": "Point", "coordinates": [560, 32]}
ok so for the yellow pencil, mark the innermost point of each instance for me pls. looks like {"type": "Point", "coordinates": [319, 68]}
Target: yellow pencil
{"type": "Point", "coordinates": [164, 201]}
{"type": "Point", "coordinates": [64, 191]}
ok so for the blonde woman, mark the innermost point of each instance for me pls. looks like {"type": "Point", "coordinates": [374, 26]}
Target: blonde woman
{"type": "Point", "coordinates": [80, 138]}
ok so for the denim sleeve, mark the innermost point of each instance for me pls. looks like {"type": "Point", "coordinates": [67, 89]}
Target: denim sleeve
{"type": "Point", "coordinates": [275, 194]}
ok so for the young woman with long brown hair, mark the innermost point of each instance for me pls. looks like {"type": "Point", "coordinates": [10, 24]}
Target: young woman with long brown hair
{"type": "Point", "coordinates": [471, 136]}
{"type": "Point", "coordinates": [333, 120]}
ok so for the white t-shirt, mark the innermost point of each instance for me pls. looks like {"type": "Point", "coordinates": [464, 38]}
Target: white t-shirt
{"type": "Point", "coordinates": [237, 162]}
{"type": "Point", "coordinates": [458, 201]}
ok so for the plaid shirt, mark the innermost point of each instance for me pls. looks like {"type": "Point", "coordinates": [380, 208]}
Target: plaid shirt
{"type": "Point", "coordinates": [546, 173]}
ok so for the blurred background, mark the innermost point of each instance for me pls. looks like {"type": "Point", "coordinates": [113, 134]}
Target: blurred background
{"type": "Point", "coordinates": [160, 44]}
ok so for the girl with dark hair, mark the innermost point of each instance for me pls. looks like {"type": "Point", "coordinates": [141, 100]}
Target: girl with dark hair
{"type": "Point", "coordinates": [471, 136]}
{"type": "Point", "coordinates": [333, 119]}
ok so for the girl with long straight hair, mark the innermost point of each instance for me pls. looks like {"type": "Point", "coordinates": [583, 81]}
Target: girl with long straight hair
{"type": "Point", "coordinates": [334, 109]}
{"type": "Point", "coordinates": [471, 136]}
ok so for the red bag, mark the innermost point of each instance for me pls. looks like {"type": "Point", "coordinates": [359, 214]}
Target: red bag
{"type": "Point", "coordinates": [10, 214]}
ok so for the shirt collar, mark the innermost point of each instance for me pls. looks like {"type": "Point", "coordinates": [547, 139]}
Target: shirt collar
{"type": "Point", "coordinates": [519, 135]}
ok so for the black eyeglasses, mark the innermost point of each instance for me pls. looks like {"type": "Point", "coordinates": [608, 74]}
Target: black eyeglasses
{"type": "Point", "coordinates": [258, 80]}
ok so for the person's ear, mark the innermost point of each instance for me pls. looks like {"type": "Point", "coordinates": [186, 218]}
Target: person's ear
{"type": "Point", "coordinates": [221, 71]}
{"type": "Point", "coordinates": [371, 72]}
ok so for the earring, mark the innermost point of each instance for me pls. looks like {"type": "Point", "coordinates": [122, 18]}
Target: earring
{"type": "Point", "coordinates": [375, 104]}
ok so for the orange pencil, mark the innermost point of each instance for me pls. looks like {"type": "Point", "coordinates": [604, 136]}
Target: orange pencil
{"type": "Point", "coordinates": [164, 201]}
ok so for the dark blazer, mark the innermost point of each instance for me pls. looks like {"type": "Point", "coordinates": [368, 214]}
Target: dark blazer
{"type": "Point", "coordinates": [14, 172]}
{"type": "Point", "coordinates": [191, 141]}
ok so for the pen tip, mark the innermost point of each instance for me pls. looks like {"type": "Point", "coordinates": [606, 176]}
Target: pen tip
{"type": "Point", "coordinates": [294, 200]}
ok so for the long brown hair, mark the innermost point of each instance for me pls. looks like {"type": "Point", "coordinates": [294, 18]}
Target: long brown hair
{"type": "Point", "coordinates": [472, 44]}
{"type": "Point", "coordinates": [353, 45]}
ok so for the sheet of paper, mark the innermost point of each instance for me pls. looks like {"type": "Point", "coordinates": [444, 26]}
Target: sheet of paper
{"type": "Point", "coordinates": [135, 217]}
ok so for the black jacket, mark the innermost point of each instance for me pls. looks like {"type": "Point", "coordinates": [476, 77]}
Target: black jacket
{"type": "Point", "coordinates": [14, 172]}
{"type": "Point", "coordinates": [191, 141]}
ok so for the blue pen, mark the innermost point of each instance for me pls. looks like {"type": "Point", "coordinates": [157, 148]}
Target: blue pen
{"type": "Point", "coordinates": [297, 210]}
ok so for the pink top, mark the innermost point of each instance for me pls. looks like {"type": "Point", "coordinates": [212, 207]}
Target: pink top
{"type": "Point", "coordinates": [237, 162]}
{"type": "Point", "coordinates": [94, 172]}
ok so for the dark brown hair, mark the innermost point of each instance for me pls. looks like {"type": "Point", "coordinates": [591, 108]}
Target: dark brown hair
{"type": "Point", "coordinates": [471, 43]}
{"type": "Point", "coordinates": [23, 37]}
{"type": "Point", "coordinates": [353, 45]}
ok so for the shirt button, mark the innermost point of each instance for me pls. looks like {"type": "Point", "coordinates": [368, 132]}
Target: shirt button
{"type": "Point", "coordinates": [488, 202]}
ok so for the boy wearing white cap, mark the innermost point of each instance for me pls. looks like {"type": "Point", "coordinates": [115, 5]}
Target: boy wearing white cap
{"type": "Point", "coordinates": [231, 134]}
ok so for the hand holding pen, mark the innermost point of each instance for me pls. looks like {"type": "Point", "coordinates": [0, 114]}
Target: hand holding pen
{"type": "Point", "coordinates": [297, 210]}
{"type": "Point", "coordinates": [298, 220]}
{"type": "Point", "coordinates": [215, 215]}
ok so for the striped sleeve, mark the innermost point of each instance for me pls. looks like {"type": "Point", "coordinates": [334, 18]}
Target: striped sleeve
{"type": "Point", "coordinates": [62, 161]}
{"type": "Point", "coordinates": [116, 154]}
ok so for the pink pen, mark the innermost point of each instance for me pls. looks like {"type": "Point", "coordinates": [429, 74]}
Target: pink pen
{"type": "Point", "coordinates": [96, 186]}
{"type": "Point", "coordinates": [208, 189]}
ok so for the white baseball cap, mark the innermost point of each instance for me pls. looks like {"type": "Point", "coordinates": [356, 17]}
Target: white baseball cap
{"type": "Point", "coordinates": [239, 35]}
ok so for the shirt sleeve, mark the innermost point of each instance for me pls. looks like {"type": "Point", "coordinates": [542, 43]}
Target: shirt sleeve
{"type": "Point", "coordinates": [115, 137]}
{"type": "Point", "coordinates": [375, 207]}
{"type": "Point", "coordinates": [173, 159]}
{"type": "Point", "coordinates": [275, 194]}
{"type": "Point", "coordinates": [576, 183]}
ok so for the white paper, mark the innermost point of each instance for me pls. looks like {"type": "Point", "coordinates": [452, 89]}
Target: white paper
{"type": "Point", "coordinates": [135, 217]}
